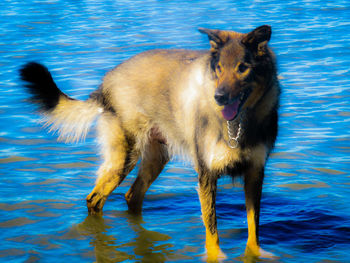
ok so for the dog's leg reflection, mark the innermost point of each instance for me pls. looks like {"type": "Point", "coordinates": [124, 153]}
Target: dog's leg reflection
{"type": "Point", "coordinates": [149, 245]}
{"type": "Point", "coordinates": [105, 245]}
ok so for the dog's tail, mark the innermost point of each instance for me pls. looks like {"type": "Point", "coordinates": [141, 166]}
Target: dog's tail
{"type": "Point", "coordinates": [71, 118]}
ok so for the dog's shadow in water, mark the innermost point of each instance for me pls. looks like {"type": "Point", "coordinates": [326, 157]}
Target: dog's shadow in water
{"type": "Point", "coordinates": [145, 246]}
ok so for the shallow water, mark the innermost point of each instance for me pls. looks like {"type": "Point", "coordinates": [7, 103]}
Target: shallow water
{"type": "Point", "coordinates": [305, 209]}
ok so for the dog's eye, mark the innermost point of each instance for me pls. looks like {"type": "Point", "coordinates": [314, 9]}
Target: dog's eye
{"type": "Point", "coordinates": [242, 67]}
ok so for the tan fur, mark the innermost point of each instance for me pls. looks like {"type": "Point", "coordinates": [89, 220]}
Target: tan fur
{"type": "Point", "coordinates": [72, 118]}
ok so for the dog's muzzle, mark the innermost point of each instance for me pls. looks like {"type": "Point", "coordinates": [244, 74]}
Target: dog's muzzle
{"type": "Point", "coordinates": [231, 106]}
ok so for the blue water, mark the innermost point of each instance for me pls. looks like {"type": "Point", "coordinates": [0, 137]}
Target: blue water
{"type": "Point", "coordinates": [43, 184]}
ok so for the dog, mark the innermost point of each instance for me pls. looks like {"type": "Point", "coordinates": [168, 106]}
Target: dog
{"type": "Point", "coordinates": [217, 107]}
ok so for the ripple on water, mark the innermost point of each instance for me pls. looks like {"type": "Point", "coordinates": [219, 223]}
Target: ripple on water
{"type": "Point", "coordinates": [304, 186]}
{"type": "Point", "coordinates": [328, 171]}
{"type": "Point", "coordinates": [17, 222]}
{"type": "Point", "coordinates": [305, 215]}
{"type": "Point", "coordinates": [12, 252]}
{"type": "Point", "coordinates": [15, 159]}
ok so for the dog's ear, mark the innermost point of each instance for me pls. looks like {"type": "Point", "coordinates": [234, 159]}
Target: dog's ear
{"type": "Point", "coordinates": [217, 38]}
{"type": "Point", "coordinates": [257, 39]}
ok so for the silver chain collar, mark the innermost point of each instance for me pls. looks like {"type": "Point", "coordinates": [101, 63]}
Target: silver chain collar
{"type": "Point", "coordinates": [233, 134]}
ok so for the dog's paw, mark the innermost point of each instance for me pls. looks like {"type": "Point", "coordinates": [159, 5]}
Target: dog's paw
{"type": "Point", "coordinates": [214, 255]}
{"type": "Point", "coordinates": [95, 202]}
{"type": "Point", "coordinates": [258, 252]}
{"type": "Point", "coordinates": [266, 254]}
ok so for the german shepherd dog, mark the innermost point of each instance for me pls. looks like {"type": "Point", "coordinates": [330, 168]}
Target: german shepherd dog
{"type": "Point", "coordinates": [218, 107]}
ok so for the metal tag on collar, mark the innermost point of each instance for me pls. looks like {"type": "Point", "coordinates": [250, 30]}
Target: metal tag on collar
{"type": "Point", "coordinates": [233, 143]}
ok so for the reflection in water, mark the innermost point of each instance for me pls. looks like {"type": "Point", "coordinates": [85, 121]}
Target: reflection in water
{"type": "Point", "coordinates": [105, 247]}
{"type": "Point", "coordinates": [145, 245]}
{"type": "Point", "coordinates": [146, 242]}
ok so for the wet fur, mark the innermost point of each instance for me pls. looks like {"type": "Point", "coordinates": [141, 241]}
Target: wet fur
{"type": "Point", "coordinates": [161, 103]}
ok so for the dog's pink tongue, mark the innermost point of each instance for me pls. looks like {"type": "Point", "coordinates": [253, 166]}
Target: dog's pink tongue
{"type": "Point", "coordinates": [230, 111]}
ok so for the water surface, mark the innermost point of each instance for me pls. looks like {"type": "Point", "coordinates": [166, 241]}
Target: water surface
{"type": "Point", "coordinates": [305, 209]}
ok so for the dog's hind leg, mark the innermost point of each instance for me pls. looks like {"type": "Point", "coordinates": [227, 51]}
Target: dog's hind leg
{"type": "Point", "coordinates": [153, 160]}
{"type": "Point", "coordinates": [120, 158]}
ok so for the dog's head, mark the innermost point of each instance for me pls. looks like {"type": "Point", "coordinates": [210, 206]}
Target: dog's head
{"type": "Point", "coordinates": [242, 65]}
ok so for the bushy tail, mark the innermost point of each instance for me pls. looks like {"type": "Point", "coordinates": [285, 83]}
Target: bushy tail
{"type": "Point", "coordinates": [69, 117]}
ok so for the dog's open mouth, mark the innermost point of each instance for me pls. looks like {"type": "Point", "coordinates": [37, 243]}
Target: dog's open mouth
{"type": "Point", "coordinates": [232, 109]}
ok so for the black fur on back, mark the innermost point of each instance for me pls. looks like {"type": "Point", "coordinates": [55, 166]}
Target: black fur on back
{"type": "Point", "coordinates": [41, 85]}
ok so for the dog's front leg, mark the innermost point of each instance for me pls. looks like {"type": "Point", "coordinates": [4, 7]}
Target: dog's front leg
{"type": "Point", "coordinates": [207, 196]}
{"type": "Point", "coordinates": [253, 187]}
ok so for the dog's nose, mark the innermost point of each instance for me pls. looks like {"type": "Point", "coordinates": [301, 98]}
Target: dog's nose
{"type": "Point", "coordinates": [221, 97]}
